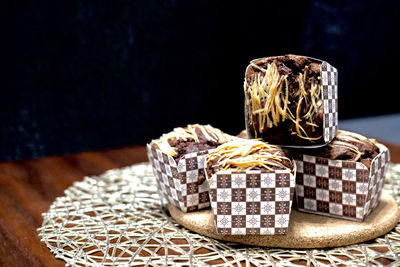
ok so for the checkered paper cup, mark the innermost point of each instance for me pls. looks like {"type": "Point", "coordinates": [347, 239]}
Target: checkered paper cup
{"type": "Point", "coordinates": [329, 96]}
{"type": "Point", "coordinates": [329, 85]}
{"type": "Point", "coordinates": [179, 182]}
{"type": "Point", "coordinates": [338, 188]}
{"type": "Point", "coordinates": [252, 202]}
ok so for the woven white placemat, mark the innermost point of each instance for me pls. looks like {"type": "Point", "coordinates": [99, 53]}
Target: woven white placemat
{"type": "Point", "coordinates": [118, 218]}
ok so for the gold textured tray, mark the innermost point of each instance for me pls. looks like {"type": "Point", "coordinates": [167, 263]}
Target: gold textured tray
{"type": "Point", "coordinates": [305, 230]}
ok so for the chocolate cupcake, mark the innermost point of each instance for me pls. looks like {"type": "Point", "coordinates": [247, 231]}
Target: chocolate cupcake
{"type": "Point", "coordinates": [349, 146]}
{"type": "Point", "coordinates": [343, 179]}
{"type": "Point", "coordinates": [291, 100]}
{"type": "Point", "coordinates": [189, 139]}
{"type": "Point", "coordinates": [243, 155]}
{"type": "Point", "coordinates": [177, 159]}
{"type": "Point", "coordinates": [251, 188]}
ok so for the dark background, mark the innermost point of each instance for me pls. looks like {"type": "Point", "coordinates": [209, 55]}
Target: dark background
{"type": "Point", "coordinates": [86, 75]}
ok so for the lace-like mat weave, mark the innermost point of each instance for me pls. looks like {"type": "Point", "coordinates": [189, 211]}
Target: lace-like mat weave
{"type": "Point", "coordinates": [118, 218]}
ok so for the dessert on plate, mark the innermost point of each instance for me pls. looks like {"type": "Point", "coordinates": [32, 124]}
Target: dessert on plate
{"type": "Point", "coordinates": [342, 179]}
{"type": "Point", "coordinates": [251, 187]}
{"type": "Point", "coordinates": [177, 159]}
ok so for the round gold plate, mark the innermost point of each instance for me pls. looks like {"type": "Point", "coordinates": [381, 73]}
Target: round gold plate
{"type": "Point", "coordinates": [305, 230]}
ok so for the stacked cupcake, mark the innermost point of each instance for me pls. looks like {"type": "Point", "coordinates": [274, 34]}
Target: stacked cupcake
{"type": "Point", "coordinates": [291, 146]}
{"type": "Point", "coordinates": [178, 164]}
{"type": "Point", "coordinates": [291, 101]}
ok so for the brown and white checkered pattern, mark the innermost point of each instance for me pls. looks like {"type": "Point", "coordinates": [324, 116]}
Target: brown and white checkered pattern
{"type": "Point", "coordinates": [329, 84]}
{"type": "Point", "coordinates": [179, 183]}
{"type": "Point", "coordinates": [252, 202]}
{"type": "Point", "coordinates": [337, 188]}
{"type": "Point", "coordinates": [377, 173]}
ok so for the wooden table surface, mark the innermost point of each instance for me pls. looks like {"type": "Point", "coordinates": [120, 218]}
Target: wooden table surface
{"type": "Point", "coordinates": [28, 187]}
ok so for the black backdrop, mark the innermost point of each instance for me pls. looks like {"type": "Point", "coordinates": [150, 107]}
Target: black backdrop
{"type": "Point", "coordinates": [84, 75]}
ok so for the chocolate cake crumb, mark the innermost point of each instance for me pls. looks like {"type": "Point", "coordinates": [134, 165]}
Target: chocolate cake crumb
{"type": "Point", "coordinates": [348, 146]}
{"type": "Point", "coordinates": [190, 139]}
{"type": "Point", "coordinates": [295, 115]}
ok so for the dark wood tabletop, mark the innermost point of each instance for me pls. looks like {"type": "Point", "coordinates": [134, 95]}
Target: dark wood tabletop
{"type": "Point", "coordinates": [28, 187]}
